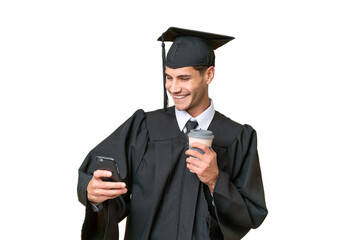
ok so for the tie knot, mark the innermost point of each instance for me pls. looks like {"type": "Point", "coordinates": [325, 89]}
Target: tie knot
{"type": "Point", "coordinates": [191, 125]}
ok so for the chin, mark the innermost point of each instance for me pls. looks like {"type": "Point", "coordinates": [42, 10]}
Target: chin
{"type": "Point", "coordinates": [181, 107]}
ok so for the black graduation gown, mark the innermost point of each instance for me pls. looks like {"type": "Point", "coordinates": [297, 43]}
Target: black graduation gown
{"type": "Point", "coordinates": [164, 199]}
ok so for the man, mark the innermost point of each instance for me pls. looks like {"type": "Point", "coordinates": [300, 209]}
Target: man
{"type": "Point", "coordinates": [221, 197]}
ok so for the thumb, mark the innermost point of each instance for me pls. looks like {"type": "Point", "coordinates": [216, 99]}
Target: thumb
{"type": "Point", "coordinates": [98, 174]}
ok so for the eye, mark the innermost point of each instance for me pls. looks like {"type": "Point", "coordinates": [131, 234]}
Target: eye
{"type": "Point", "coordinates": [168, 77]}
{"type": "Point", "coordinates": [185, 78]}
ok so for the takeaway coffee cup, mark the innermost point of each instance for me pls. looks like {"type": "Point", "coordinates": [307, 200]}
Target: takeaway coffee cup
{"type": "Point", "coordinates": [201, 136]}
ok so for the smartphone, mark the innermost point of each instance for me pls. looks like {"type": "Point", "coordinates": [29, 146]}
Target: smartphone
{"type": "Point", "coordinates": [109, 164]}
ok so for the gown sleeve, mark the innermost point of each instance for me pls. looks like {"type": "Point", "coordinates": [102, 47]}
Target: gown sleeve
{"type": "Point", "coordinates": [126, 145]}
{"type": "Point", "coordinates": [239, 195]}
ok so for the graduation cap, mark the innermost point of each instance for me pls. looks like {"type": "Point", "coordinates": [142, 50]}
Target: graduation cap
{"type": "Point", "coordinates": [189, 48]}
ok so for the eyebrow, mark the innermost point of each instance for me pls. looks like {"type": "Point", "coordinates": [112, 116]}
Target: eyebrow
{"type": "Point", "coordinates": [180, 76]}
{"type": "Point", "coordinates": [184, 76]}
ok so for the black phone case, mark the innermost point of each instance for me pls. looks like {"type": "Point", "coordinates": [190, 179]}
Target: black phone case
{"type": "Point", "coordinates": [109, 164]}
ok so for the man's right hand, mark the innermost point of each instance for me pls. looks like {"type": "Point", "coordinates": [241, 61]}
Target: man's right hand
{"type": "Point", "coordinates": [99, 191]}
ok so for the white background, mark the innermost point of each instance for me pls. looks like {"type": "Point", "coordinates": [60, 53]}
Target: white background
{"type": "Point", "coordinates": [72, 71]}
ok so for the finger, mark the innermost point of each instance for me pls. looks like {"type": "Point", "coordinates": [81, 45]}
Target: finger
{"type": "Point", "coordinates": [109, 193]}
{"type": "Point", "coordinates": [198, 166]}
{"type": "Point", "coordinates": [112, 185]}
{"type": "Point", "coordinates": [191, 167]}
{"type": "Point", "coordinates": [98, 174]}
{"type": "Point", "coordinates": [195, 162]}
{"type": "Point", "coordinates": [194, 153]}
{"type": "Point", "coordinates": [195, 166]}
{"type": "Point", "coordinates": [191, 160]}
{"type": "Point", "coordinates": [201, 146]}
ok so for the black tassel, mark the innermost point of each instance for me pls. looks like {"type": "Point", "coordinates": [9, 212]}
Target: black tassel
{"type": "Point", "coordinates": [164, 76]}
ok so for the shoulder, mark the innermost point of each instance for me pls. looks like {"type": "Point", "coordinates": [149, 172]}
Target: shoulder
{"type": "Point", "coordinates": [136, 119]}
{"type": "Point", "coordinates": [162, 124]}
{"type": "Point", "coordinates": [160, 114]}
{"type": "Point", "coordinates": [152, 118]}
{"type": "Point", "coordinates": [227, 131]}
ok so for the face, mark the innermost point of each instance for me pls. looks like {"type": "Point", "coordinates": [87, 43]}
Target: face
{"type": "Point", "coordinates": [189, 89]}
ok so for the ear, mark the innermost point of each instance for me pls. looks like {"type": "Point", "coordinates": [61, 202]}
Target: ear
{"type": "Point", "coordinates": [209, 74]}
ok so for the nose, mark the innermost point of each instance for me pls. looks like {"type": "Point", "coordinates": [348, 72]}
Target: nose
{"type": "Point", "coordinates": [174, 86]}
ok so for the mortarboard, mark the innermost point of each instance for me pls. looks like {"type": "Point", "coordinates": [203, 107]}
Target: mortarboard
{"type": "Point", "coordinates": [189, 48]}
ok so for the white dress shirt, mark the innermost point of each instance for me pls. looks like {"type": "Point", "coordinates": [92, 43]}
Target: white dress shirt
{"type": "Point", "coordinates": [203, 120]}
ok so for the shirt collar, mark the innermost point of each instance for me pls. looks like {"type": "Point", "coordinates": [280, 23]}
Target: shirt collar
{"type": "Point", "coordinates": [204, 119]}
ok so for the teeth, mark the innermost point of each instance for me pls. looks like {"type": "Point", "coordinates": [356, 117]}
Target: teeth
{"type": "Point", "coordinates": [179, 97]}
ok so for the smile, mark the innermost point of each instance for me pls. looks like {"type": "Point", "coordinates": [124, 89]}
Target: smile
{"type": "Point", "coordinates": [179, 97]}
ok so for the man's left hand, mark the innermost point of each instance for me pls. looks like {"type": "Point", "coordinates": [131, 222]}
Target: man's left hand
{"type": "Point", "coordinates": [204, 165]}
